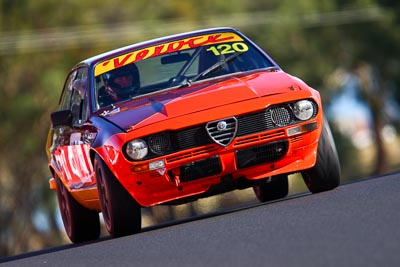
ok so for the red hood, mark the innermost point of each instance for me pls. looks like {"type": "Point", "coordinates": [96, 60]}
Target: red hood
{"type": "Point", "coordinates": [179, 102]}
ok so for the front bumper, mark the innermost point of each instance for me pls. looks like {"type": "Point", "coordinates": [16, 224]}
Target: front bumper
{"type": "Point", "coordinates": [193, 172]}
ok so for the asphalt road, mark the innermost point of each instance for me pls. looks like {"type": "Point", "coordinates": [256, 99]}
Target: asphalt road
{"type": "Point", "coordinates": [357, 224]}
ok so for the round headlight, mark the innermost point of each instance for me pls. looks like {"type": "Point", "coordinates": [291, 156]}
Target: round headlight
{"type": "Point", "coordinates": [137, 149]}
{"type": "Point", "coordinates": [303, 110]}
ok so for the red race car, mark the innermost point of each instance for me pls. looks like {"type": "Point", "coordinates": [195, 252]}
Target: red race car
{"type": "Point", "coordinates": [180, 118]}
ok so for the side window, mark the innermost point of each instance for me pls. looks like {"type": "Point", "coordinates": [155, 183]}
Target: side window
{"type": "Point", "coordinates": [76, 107]}
{"type": "Point", "coordinates": [75, 96]}
{"type": "Point", "coordinates": [65, 101]}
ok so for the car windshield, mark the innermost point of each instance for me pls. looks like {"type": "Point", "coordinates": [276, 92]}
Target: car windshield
{"type": "Point", "coordinates": [181, 67]}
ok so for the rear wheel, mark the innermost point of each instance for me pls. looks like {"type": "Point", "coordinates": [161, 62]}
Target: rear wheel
{"type": "Point", "coordinates": [81, 224]}
{"type": "Point", "coordinates": [121, 213]}
{"type": "Point", "coordinates": [271, 189]}
{"type": "Point", "coordinates": [325, 175]}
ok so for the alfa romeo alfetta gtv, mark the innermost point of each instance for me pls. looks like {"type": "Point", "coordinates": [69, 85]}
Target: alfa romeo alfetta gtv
{"type": "Point", "coordinates": [180, 118]}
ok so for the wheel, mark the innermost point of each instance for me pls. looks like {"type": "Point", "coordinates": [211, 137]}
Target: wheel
{"type": "Point", "coordinates": [121, 213]}
{"type": "Point", "coordinates": [325, 175]}
{"type": "Point", "coordinates": [275, 188]}
{"type": "Point", "coordinates": [81, 224]}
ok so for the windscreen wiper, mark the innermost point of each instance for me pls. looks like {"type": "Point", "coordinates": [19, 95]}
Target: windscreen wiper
{"type": "Point", "coordinates": [212, 68]}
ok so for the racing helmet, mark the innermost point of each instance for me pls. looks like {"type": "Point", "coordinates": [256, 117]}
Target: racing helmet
{"type": "Point", "coordinates": [127, 70]}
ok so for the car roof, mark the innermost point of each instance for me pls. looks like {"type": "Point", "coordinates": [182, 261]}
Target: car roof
{"type": "Point", "coordinates": [110, 54]}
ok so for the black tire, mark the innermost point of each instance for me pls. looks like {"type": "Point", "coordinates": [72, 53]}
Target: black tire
{"type": "Point", "coordinates": [325, 175]}
{"type": "Point", "coordinates": [275, 188]}
{"type": "Point", "coordinates": [121, 213]}
{"type": "Point", "coordinates": [81, 224]}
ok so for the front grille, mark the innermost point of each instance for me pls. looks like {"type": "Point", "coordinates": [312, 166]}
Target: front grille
{"type": "Point", "coordinates": [198, 169]}
{"type": "Point", "coordinates": [253, 123]}
{"type": "Point", "coordinates": [261, 154]}
{"type": "Point", "coordinates": [168, 142]}
{"type": "Point", "coordinates": [272, 118]}
{"type": "Point", "coordinates": [222, 132]}
{"type": "Point", "coordinates": [189, 138]}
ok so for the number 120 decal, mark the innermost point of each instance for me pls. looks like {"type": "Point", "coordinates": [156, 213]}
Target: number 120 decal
{"type": "Point", "coordinates": [223, 49]}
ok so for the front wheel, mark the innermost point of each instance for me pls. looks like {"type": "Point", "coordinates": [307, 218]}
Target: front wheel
{"type": "Point", "coordinates": [121, 213]}
{"type": "Point", "coordinates": [81, 224]}
{"type": "Point", "coordinates": [271, 189]}
{"type": "Point", "coordinates": [325, 175]}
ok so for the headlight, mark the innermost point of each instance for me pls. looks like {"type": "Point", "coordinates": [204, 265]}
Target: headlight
{"type": "Point", "coordinates": [137, 149]}
{"type": "Point", "coordinates": [303, 110]}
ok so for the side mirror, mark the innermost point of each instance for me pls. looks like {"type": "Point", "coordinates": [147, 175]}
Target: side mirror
{"type": "Point", "coordinates": [61, 118]}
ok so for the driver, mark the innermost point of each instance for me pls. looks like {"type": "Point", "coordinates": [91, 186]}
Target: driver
{"type": "Point", "coordinates": [119, 84]}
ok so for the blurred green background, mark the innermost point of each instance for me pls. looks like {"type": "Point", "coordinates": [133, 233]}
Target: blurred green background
{"type": "Point", "coordinates": [348, 50]}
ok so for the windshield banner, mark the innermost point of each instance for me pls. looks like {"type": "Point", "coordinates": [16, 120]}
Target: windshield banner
{"type": "Point", "coordinates": [162, 49]}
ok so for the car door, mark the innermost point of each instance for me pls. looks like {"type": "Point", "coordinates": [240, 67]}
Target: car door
{"type": "Point", "coordinates": [71, 143]}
